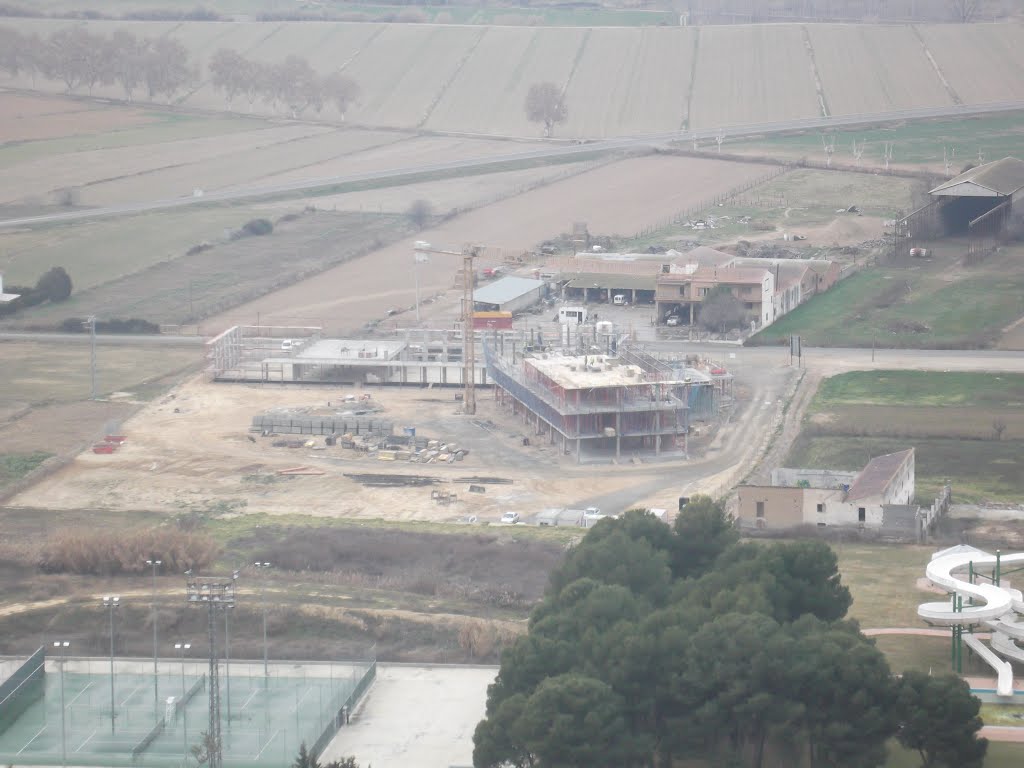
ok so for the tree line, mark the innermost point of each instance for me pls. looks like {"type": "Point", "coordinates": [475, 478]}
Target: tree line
{"type": "Point", "coordinates": [291, 84]}
{"type": "Point", "coordinates": [656, 644]}
{"type": "Point", "coordinates": [80, 59]}
{"type": "Point", "coordinates": [160, 67]}
{"type": "Point", "coordinates": [54, 285]}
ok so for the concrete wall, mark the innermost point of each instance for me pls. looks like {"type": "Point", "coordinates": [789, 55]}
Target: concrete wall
{"type": "Point", "coordinates": [783, 507]}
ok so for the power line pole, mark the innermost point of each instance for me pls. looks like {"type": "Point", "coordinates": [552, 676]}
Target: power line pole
{"type": "Point", "coordinates": [90, 323]}
{"type": "Point", "coordinates": [152, 607]}
{"type": "Point", "coordinates": [111, 603]}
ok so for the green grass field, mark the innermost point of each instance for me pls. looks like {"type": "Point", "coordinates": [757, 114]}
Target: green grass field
{"type": "Point", "coordinates": [935, 305]}
{"type": "Point", "coordinates": [921, 388]}
{"type": "Point", "coordinates": [160, 126]}
{"type": "Point", "coordinates": [920, 142]}
{"type": "Point", "coordinates": [948, 417]}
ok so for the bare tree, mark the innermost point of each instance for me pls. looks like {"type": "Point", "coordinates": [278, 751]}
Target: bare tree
{"type": "Point", "coordinates": [965, 11]}
{"type": "Point", "coordinates": [15, 52]}
{"type": "Point", "coordinates": [720, 139]}
{"type": "Point", "coordinates": [297, 85]}
{"type": "Point", "coordinates": [420, 213]}
{"type": "Point", "coordinates": [126, 54]}
{"type": "Point", "coordinates": [67, 54]}
{"type": "Point", "coordinates": [341, 90]}
{"type": "Point", "coordinates": [229, 71]}
{"type": "Point", "coordinates": [545, 103]}
{"type": "Point", "coordinates": [858, 150]}
{"type": "Point", "coordinates": [98, 65]}
{"type": "Point", "coordinates": [255, 78]}
{"type": "Point", "coordinates": [165, 68]}
{"type": "Point", "coordinates": [998, 427]}
{"type": "Point", "coordinates": [887, 154]}
{"type": "Point", "coordinates": [829, 145]}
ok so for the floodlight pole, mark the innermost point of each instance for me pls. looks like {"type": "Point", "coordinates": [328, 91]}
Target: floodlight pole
{"type": "Point", "coordinates": [263, 604]}
{"type": "Point", "coordinates": [227, 655]}
{"type": "Point", "coordinates": [62, 645]}
{"type": "Point", "coordinates": [216, 593]}
{"type": "Point", "coordinates": [156, 677]}
{"type": "Point", "coordinates": [181, 648]}
{"type": "Point", "coordinates": [111, 604]}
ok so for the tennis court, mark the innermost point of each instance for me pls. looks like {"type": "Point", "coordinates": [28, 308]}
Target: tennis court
{"type": "Point", "coordinates": [264, 719]}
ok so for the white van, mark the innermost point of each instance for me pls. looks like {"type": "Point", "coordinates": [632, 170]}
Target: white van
{"type": "Point", "coordinates": [286, 345]}
{"type": "Point", "coordinates": [619, 299]}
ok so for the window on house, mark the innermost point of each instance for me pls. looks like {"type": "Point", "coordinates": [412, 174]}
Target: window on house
{"type": "Point", "coordinates": [703, 291]}
{"type": "Point", "coordinates": [861, 514]}
{"type": "Point", "coordinates": [760, 509]}
{"type": "Point", "coordinates": [821, 507]}
{"type": "Point", "coordinates": [682, 290]}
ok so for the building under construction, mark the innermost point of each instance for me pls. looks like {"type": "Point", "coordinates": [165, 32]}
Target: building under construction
{"type": "Point", "coordinates": [600, 407]}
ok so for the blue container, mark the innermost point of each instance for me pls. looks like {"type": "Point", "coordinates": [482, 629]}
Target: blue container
{"type": "Point", "coordinates": [410, 431]}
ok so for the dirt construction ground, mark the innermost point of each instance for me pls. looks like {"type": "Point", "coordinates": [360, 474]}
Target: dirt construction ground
{"type": "Point", "coordinates": [192, 451]}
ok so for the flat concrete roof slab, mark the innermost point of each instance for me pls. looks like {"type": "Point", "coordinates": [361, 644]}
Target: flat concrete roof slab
{"type": "Point", "coordinates": [351, 349]}
{"type": "Point", "coordinates": [416, 717]}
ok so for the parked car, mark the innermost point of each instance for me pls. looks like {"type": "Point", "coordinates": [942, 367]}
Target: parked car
{"type": "Point", "coordinates": [510, 518]}
{"type": "Point", "coordinates": [672, 320]}
{"type": "Point", "coordinates": [286, 345]}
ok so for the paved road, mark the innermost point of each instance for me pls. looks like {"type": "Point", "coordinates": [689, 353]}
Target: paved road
{"type": "Point", "coordinates": [107, 339]}
{"type": "Point", "coordinates": [553, 152]}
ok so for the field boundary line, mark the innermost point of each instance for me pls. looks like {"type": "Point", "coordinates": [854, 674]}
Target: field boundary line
{"type": "Point", "coordinates": [809, 47]}
{"type": "Point", "coordinates": [366, 44]}
{"type": "Point", "coordinates": [451, 79]}
{"type": "Point", "coordinates": [935, 65]}
{"type": "Point", "coordinates": [576, 60]}
{"type": "Point", "coordinates": [688, 114]}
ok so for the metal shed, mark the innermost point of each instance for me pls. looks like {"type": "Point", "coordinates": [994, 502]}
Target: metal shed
{"type": "Point", "coordinates": [509, 294]}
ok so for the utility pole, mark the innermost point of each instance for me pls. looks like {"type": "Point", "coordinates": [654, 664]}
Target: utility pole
{"type": "Point", "coordinates": [63, 646]}
{"type": "Point", "coordinates": [153, 615]}
{"type": "Point", "coordinates": [263, 604]}
{"type": "Point", "coordinates": [90, 323]}
{"type": "Point", "coordinates": [111, 603]}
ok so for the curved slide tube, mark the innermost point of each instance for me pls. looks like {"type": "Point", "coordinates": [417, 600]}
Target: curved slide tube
{"type": "Point", "coordinates": [995, 608]}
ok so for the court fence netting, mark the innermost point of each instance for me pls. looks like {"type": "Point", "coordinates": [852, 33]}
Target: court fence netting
{"type": "Point", "coordinates": [134, 717]}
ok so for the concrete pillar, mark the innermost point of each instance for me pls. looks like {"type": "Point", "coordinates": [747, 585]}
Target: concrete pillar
{"type": "Point", "coordinates": [632, 295]}
{"type": "Point", "coordinates": [618, 434]}
{"type": "Point", "coordinates": [657, 437]}
{"type": "Point", "coordinates": [579, 445]}
{"type": "Point", "coordinates": [608, 292]}
{"type": "Point", "coordinates": [691, 312]}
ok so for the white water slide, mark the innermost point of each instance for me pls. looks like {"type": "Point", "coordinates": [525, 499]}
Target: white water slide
{"type": "Point", "coordinates": [983, 604]}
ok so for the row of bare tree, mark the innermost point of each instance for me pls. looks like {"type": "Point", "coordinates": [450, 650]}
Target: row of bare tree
{"type": "Point", "coordinates": [80, 59]}
{"type": "Point", "coordinates": [712, 11]}
{"type": "Point", "coordinates": [291, 84]}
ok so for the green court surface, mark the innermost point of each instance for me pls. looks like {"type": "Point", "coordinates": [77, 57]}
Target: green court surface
{"type": "Point", "coordinates": [263, 719]}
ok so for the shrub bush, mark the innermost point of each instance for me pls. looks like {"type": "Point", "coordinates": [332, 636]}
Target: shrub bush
{"type": "Point", "coordinates": [105, 553]}
{"type": "Point", "coordinates": [257, 227]}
